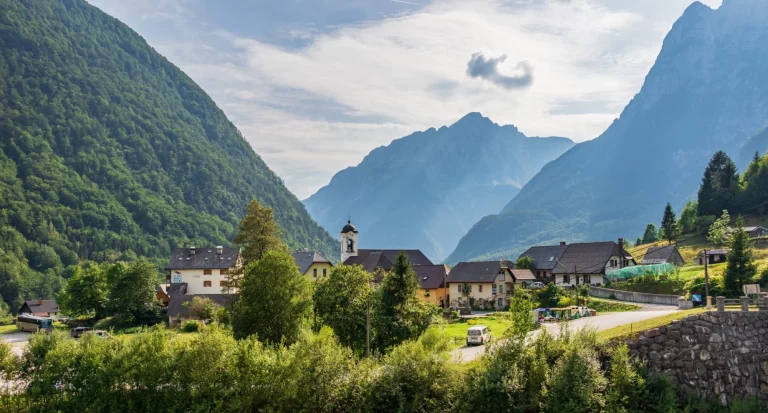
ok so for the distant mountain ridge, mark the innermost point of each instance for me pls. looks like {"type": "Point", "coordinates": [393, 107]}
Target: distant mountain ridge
{"type": "Point", "coordinates": [109, 151]}
{"type": "Point", "coordinates": [425, 190]}
{"type": "Point", "coordinates": [705, 92]}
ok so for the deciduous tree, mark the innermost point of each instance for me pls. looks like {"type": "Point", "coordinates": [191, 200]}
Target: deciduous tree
{"type": "Point", "coordinates": [341, 302]}
{"type": "Point", "coordinates": [86, 292]}
{"type": "Point", "coordinates": [275, 300]}
{"type": "Point", "coordinates": [719, 231]}
{"type": "Point", "coordinates": [132, 295]}
{"type": "Point", "coordinates": [524, 262]}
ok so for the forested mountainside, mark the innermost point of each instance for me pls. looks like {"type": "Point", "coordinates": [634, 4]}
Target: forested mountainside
{"type": "Point", "coordinates": [757, 143]}
{"type": "Point", "coordinates": [705, 92]}
{"type": "Point", "coordinates": [108, 151]}
{"type": "Point", "coordinates": [424, 191]}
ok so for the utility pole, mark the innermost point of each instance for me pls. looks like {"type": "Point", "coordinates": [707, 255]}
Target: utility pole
{"type": "Point", "coordinates": [368, 328]}
{"type": "Point", "coordinates": [706, 279]}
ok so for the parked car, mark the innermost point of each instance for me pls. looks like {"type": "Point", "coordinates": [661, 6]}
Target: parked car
{"type": "Point", "coordinates": [537, 285]}
{"type": "Point", "coordinates": [100, 333]}
{"type": "Point", "coordinates": [478, 335]}
{"type": "Point", "coordinates": [79, 331]}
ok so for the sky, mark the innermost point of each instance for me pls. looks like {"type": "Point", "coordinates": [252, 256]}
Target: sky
{"type": "Point", "coordinates": [315, 85]}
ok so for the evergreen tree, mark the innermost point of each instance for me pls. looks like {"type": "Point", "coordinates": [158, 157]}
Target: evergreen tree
{"type": "Point", "coordinates": [650, 235]}
{"type": "Point", "coordinates": [719, 186]}
{"type": "Point", "coordinates": [257, 233]}
{"type": "Point", "coordinates": [688, 218]}
{"type": "Point", "coordinates": [669, 226]}
{"type": "Point", "coordinates": [275, 300]}
{"type": "Point", "coordinates": [399, 314]}
{"type": "Point", "coordinates": [639, 241]}
{"type": "Point", "coordinates": [741, 266]}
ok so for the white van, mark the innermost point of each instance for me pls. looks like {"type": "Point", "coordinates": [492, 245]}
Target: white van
{"type": "Point", "coordinates": [478, 335]}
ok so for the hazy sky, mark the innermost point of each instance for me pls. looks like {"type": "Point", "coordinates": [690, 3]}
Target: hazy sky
{"type": "Point", "coordinates": [314, 85]}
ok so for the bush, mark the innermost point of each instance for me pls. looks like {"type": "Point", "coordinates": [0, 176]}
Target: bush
{"type": "Point", "coordinates": [191, 326]}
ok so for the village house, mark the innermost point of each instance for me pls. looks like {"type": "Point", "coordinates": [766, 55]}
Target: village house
{"type": "Point", "coordinates": [312, 264]}
{"type": "Point", "coordinates": [490, 283]}
{"type": "Point", "coordinates": [713, 257]}
{"type": "Point", "coordinates": [756, 232]}
{"type": "Point", "coordinates": [662, 255]}
{"type": "Point", "coordinates": [590, 262]}
{"type": "Point", "coordinates": [202, 270]}
{"type": "Point", "coordinates": [432, 285]}
{"type": "Point", "coordinates": [374, 261]}
{"type": "Point", "coordinates": [40, 308]}
{"type": "Point", "coordinates": [545, 259]}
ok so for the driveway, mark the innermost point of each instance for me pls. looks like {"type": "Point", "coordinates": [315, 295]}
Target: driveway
{"type": "Point", "coordinates": [599, 323]}
{"type": "Point", "coordinates": [17, 340]}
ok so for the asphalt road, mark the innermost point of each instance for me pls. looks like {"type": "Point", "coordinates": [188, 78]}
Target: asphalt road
{"type": "Point", "coordinates": [17, 341]}
{"type": "Point", "coordinates": [599, 323]}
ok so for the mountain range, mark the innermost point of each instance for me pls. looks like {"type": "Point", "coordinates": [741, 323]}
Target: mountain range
{"type": "Point", "coordinates": [109, 151]}
{"type": "Point", "coordinates": [705, 92]}
{"type": "Point", "coordinates": [425, 190]}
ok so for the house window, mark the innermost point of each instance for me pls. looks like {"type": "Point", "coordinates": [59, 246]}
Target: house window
{"type": "Point", "coordinates": [324, 272]}
{"type": "Point", "coordinates": [480, 288]}
{"type": "Point", "coordinates": [222, 283]}
{"type": "Point", "coordinates": [566, 279]}
{"type": "Point", "coordinates": [314, 273]}
{"type": "Point", "coordinates": [206, 284]}
{"type": "Point", "coordinates": [501, 288]}
{"type": "Point", "coordinates": [207, 272]}
{"type": "Point", "coordinates": [223, 272]}
{"type": "Point", "coordinates": [426, 292]}
{"type": "Point", "coordinates": [501, 275]}
{"type": "Point", "coordinates": [501, 302]}
{"type": "Point", "coordinates": [587, 279]}
{"type": "Point", "coordinates": [717, 258]}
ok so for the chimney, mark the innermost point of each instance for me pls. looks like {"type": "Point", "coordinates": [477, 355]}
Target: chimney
{"type": "Point", "coordinates": [219, 250]}
{"type": "Point", "coordinates": [562, 243]}
{"type": "Point", "coordinates": [40, 302]}
{"type": "Point", "coordinates": [192, 250]}
{"type": "Point", "coordinates": [621, 242]}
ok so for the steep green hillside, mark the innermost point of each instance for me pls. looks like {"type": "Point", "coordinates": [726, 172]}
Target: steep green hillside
{"type": "Point", "coordinates": [108, 151]}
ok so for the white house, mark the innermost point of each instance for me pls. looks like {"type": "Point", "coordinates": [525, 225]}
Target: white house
{"type": "Point", "coordinates": [201, 270]}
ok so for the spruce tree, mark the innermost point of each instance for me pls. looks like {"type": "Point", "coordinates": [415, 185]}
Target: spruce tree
{"type": "Point", "coordinates": [669, 224]}
{"type": "Point", "coordinates": [399, 315]}
{"type": "Point", "coordinates": [650, 235]}
{"type": "Point", "coordinates": [719, 186]}
{"type": "Point", "coordinates": [741, 266]}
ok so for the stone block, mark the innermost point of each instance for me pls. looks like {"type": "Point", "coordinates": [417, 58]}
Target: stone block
{"type": "Point", "coordinates": [674, 335]}
{"type": "Point", "coordinates": [654, 332]}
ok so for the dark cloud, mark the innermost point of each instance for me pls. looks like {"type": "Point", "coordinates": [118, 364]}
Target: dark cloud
{"type": "Point", "coordinates": [482, 67]}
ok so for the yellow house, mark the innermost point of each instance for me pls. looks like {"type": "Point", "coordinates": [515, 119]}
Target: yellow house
{"type": "Point", "coordinates": [312, 265]}
{"type": "Point", "coordinates": [431, 279]}
{"type": "Point", "coordinates": [490, 284]}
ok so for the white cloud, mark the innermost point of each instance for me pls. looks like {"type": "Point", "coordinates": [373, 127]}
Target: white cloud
{"type": "Point", "coordinates": [312, 111]}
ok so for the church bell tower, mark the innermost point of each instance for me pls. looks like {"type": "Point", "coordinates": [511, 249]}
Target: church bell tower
{"type": "Point", "coordinates": [348, 241]}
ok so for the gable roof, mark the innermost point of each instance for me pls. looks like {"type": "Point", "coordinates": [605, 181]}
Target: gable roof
{"type": "Point", "coordinates": [752, 229]}
{"type": "Point", "coordinates": [522, 274]}
{"type": "Point", "coordinates": [659, 255]}
{"type": "Point", "coordinates": [587, 258]}
{"type": "Point", "coordinates": [715, 252]}
{"type": "Point", "coordinates": [176, 306]}
{"type": "Point", "coordinates": [384, 259]}
{"type": "Point", "coordinates": [431, 276]}
{"type": "Point", "coordinates": [476, 271]}
{"type": "Point", "coordinates": [545, 257]}
{"type": "Point", "coordinates": [40, 306]}
{"type": "Point", "coordinates": [203, 258]}
{"type": "Point", "coordinates": [304, 260]}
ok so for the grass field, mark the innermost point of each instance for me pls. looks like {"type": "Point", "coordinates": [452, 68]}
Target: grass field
{"type": "Point", "coordinates": [457, 331]}
{"type": "Point", "coordinates": [634, 328]}
{"type": "Point", "coordinates": [7, 329]}
{"type": "Point", "coordinates": [609, 306]}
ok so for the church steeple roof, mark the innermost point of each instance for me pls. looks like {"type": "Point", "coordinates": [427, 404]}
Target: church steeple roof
{"type": "Point", "coordinates": [349, 228]}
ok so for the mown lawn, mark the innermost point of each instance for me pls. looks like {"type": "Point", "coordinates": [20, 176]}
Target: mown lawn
{"type": "Point", "coordinates": [457, 331]}
{"type": "Point", "coordinates": [635, 328]}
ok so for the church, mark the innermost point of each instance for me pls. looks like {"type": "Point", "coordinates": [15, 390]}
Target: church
{"type": "Point", "coordinates": [371, 259]}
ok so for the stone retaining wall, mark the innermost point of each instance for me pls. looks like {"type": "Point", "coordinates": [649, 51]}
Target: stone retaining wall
{"type": "Point", "coordinates": [633, 296]}
{"type": "Point", "coordinates": [715, 354]}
